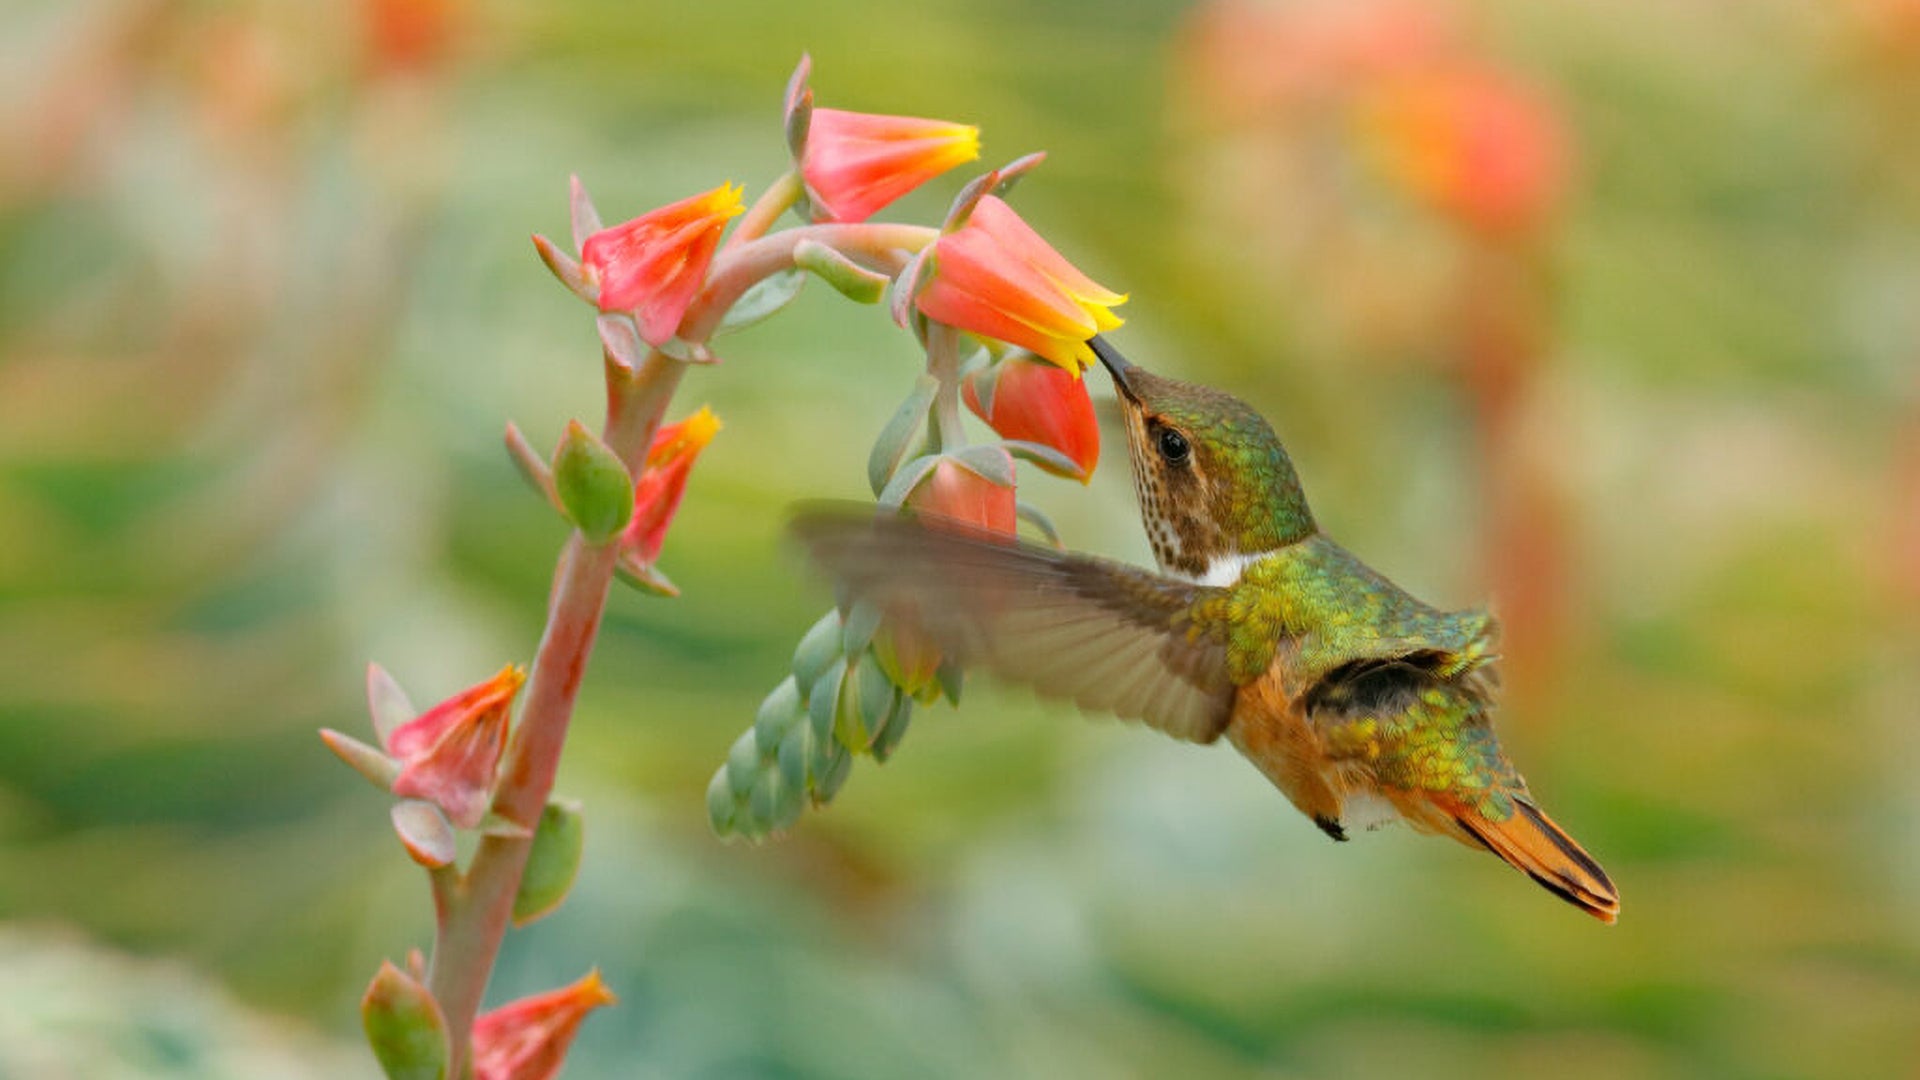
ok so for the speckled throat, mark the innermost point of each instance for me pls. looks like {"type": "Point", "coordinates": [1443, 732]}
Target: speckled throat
{"type": "Point", "coordinates": [1234, 493]}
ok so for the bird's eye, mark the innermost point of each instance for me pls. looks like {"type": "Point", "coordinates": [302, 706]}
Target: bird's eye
{"type": "Point", "coordinates": [1173, 446]}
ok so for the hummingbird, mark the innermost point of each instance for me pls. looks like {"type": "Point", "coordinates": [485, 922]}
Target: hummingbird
{"type": "Point", "coordinates": [1362, 704]}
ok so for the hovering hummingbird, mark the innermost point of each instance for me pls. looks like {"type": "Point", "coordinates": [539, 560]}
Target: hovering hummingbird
{"type": "Point", "coordinates": [1362, 704]}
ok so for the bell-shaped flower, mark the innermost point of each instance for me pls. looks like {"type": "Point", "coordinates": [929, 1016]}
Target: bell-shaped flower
{"type": "Point", "coordinates": [528, 1039]}
{"type": "Point", "coordinates": [1022, 398]}
{"type": "Point", "coordinates": [655, 264]}
{"type": "Point", "coordinates": [856, 163]}
{"type": "Point", "coordinates": [956, 491]}
{"type": "Point", "coordinates": [995, 277]}
{"type": "Point", "coordinates": [656, 495]}
{"type": "Point", "coordinates": [449, 754]}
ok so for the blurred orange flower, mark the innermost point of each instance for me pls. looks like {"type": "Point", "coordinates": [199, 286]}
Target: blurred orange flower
{"type": "Point", "coordinates": [1471, 143]}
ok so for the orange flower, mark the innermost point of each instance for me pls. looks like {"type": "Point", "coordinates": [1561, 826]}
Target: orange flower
{"type": "Point", "coordinates": [1041, 403]}
{"type": "Point", "coordinates": [528, 1039]}
{"type": "Point", "coordinates": [449, 754]}
{"type": "Point", "coordinates": [856, 163]}
{"type": "Point", "coordinates": [656, 495]}
{"type": "Point", "coordinates": [994, 276]}
{"type": "Point", "coordinates": [1472, 143]}
{"type": "Point", "coordinates": [954, 491]}
{"type": "Point", "coordinates": [655, 264]}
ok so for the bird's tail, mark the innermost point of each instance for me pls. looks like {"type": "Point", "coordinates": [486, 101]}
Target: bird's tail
{"type": "Point", "coordinates": [1530, 841]}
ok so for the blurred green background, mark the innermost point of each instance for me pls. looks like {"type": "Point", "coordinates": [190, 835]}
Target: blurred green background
{"type": "Point", "coordinates": [267, 300]}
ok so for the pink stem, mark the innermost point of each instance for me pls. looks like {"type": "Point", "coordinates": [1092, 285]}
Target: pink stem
{"type": "Point", "coordinates": [474, 911]}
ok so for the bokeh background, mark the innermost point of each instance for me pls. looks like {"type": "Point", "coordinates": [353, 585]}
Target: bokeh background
{"type": "Point", "coordinates": [1609, 311]}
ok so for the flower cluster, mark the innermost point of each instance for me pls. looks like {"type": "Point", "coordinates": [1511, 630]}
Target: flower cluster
{"type": "Point", "coordinates": [1004, 319]}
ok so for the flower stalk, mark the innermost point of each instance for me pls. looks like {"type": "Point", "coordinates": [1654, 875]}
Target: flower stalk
{"type": "Point", "coordinates": [663, 285]}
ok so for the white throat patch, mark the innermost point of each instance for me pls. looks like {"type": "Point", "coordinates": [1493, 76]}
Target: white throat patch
{"type": "Point", "coordinates": [1225, 570]}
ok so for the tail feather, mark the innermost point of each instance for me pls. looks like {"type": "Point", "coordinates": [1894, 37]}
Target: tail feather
{"type": "Point", "coordinates": [1530, 842]}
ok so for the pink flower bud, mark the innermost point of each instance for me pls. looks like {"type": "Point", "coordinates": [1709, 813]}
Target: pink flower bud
{"type": "Point", "coordinates": [655, 264]}
{"type": "Point", "coordinates": [449, 754]}
{"type": "Point", "coordinates": [528, 1039]}
{"type": "Point", "coordinates": [954, 492]}
{"type": "Point", "coordinates": [656, 495]}
{"type": "Point", "coordinates": [857, 163]}
{"type": "Point", "coordinates": [1041, 403]}
{"type": "Point", "coordinates": [994, 276]}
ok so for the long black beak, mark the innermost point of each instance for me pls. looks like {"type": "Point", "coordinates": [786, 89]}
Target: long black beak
{"type": "Point", "coordinates": [1116, 365]}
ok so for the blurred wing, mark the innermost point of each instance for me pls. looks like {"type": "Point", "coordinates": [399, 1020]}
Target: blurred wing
{"type": "Point", "coordinates": [1106, 636]}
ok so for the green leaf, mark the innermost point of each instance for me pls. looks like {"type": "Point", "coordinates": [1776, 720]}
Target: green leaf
{"type": "Point", "coordinates": [531, 467]}
{"type": "Point", "coordinates": [765, 297]}
{"type": "Point", "coordinates": [1046, 457]}
{"type": "Point", "coordinates": [848, 278]}
{"type": "Point", "coordinates": [553, 862]}
{"type": "Point", "coordinates": [990, 461]}
{"type": "Point", "coordinates": [906, 479]}
{"type": "Point", "coordinates": [1034, 516]}
{"type": "Point", "coordinates": [898, 434]}
{"type": "Point", "coordinates": [593, 485]}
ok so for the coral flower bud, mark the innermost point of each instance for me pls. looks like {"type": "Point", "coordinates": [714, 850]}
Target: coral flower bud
{"type": "Point", "coordinates": [856, 163]}
{"type": "Point", "coordinates": [449, 753]}
{"type": "Point", "coordinates": [957, 493]}
{"type": "Point", "coordinates": [656, 495]}
{"type": "Point", "coordinates": [994, 276]}
{"type": "Point", "coordinates": [1041, 403]}
{"type": "Point", "coordinates": [528, 1039]}
{"type": "Point", "coordinates": [655, 264]}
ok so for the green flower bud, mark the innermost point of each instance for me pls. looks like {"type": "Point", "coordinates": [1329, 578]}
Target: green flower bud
{"type": "Point", "coordinates": [895, 727]}
{"type": "Point", "coordinates": [594, 487]}
{"type": "Point", "coordinates": [743, 762]}
{"type": "Point", "coordinates": [722, 807]}
{"type": "Point", "coordinates": [824, 698]}
{"type": "Point", "coordinates": [553, 862]}
{"type": "Point", "coordinates": [779, 713]}
{"type": "Point", "coordinates": [795, 749]}
{"type": "Point", "coordinates": [817, 650]}
{"type": "Point", "coordinates": [404, 1026]}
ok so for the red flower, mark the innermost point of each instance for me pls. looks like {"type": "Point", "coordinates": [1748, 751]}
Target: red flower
{"type": "Point", "coordinates": [528, 1039]}
{"type": "Point", "coordinates": [1039, 403]}
{"type": "Point", "coordinates": [656, 495]}
{"type": "Point", "coordinates": [856, 163]}
{"type": "Point", "coordinates": [994, 276]}
{"type": "Point", "coordinates": [655, 264]}
{"type": "Point", "coordinates": [449, 754]}
{"type": "Point", "coordinates": [954, 491]}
